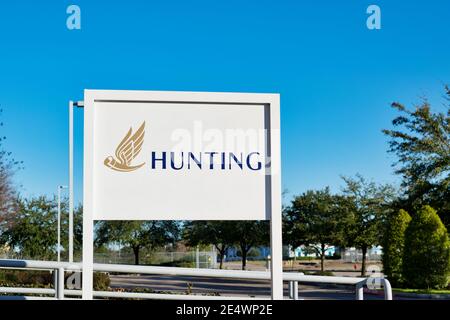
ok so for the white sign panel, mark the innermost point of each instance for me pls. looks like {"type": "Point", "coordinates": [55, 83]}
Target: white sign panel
{"type": "Point", "coordinates": [179, 160]}
{"type": "Point", "coordinates": [151, 155]}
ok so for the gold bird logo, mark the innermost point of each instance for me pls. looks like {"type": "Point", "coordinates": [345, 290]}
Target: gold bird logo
{"type": "Point", "coordinates": [128, 149]}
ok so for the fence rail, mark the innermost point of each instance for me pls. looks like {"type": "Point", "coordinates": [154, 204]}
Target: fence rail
{"type": "Point", "coordinates": [60, 268]}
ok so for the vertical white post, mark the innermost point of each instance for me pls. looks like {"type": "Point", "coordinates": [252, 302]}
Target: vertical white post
{"type": "Point", "coordinates": [359, 291]}
{"type": "Point", "coordinates": [59, 224]}
{"type": "Point", "coordinates": [276, 267]}
{"type": "Point", "coordinates": [295, 289]}
{"type": "Point", "coordinates": [276, 242]}
{"type": "Point", "coordinates": [60, 285]}
{"type": "Point", "coordinates": [387, 289]}
{"type": "Point", "coordinates": [88, 258]}
{"type": "Point", "coordinates": [55, 282]}
{"type": "Point", "coordinates": [70, 181]}
{"type": "Point", "coordinates": [88, 208]}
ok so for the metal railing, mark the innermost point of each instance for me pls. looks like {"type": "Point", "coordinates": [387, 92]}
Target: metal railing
{"type": "Point", "coordinates": [59, 292]}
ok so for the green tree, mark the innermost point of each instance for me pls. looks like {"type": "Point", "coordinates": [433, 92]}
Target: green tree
{"type": "Point", "coordinates": [137, 234]}
{"type": "Point", "coordinates": [393, 246]}
{"type": "Point", "coordinates": [32, 230]}
{"type": "Point", "coordinates": [317, 219]}
{"type": "Point", "coordinates": [8, 195]}
{"type": "Point", "coordinates": [77, 229]}
{"type": "Point", "coordinates": [426, 262]}
{"type": "Point", "coordinates": [217, 233]}
{"type": "Point", "coordinates": [421, 141]}
{"type": "Point", "coordinates": [371, 204]}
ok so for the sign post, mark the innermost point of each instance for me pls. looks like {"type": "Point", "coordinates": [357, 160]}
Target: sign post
{"type": "Point", "coordinates": [152, 155]}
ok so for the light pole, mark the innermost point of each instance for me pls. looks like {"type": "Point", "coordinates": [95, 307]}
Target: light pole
{"type": "Point", "coordinates": [70, 181]}
{"type": "Point", "coordinates": [72, 104]}
{"type": "Point", "coordinates": [59, 220]}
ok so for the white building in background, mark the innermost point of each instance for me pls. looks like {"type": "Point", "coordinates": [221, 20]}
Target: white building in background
{"type": "Point", "coordinates": [355, 255]}
{"type": "Point", "coordinates": [255, 253]}
{"type": "Point", "coordinates": [304, 251]}
{"type": "Point", "coordinates": [346, 254]}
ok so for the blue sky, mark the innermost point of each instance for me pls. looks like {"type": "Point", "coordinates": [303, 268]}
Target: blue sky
{"type": "Point", "coordinates": [336, 78]}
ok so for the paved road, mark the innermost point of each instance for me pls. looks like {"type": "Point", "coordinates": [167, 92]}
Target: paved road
{"type": "Point", "coordinates": [228, 287]}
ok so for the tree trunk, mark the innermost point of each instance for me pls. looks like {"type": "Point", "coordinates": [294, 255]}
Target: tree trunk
{"type": "Point", "coordinates": [220, 261]}
{"type": "Point", "coordinates": [244, 257]}
{"type": "Point", "coordinates": [363, 266]}
{"type": "Point", "coordinates": [136, 255]}
{"type": "Point", "coordinates": [322, 257]}
{"type": "Point", "coordinates": [222, 252]}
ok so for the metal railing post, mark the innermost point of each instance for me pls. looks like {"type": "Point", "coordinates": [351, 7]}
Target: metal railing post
{"type": "Point", "coordinates": [295, 290]}
{"type": "Point", "coordinates": [60, 284]}
{"type": "Point", "coordinates": [55, 282]}
{"type": "Point", "coordinates": [387, 289]}
{"type": "Point", "coordinates": [360, 291]}
{"type": "Point", "coordinates": [291, 289]}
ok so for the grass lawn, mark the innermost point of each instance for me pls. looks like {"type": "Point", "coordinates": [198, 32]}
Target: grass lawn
{"type": "Point", "coordinates": [426, 291]}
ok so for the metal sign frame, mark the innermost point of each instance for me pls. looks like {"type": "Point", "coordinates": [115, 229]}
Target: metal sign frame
{"type": "Point", "coordinates": [271, 103]}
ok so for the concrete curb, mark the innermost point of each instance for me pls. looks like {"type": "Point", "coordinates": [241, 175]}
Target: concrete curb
{"type": "Point", "coordinates": [431, 296]}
